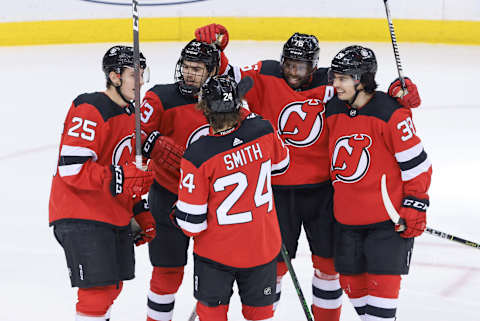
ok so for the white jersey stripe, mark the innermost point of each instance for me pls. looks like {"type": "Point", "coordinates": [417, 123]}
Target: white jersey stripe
{"type": "Point", "coordinates": [282, 166]}
{"type": "Point", "coordinates": [191, 208]}
{"type": "Point", "coordinates": [68, 150]}
{"type": "Point", "coordinates": [327, 304]}
{"type": "Point", "coordinates": [326, 285]}
{"type": "Point", "coordinates": [409, 154]}
{"type": "Point", "coordinates": [384, 303]}
{"type": "Point", "coordinates": [192, 227]}
{"type": "Point", "coordinates": [69, 170]}
{"type": "Point", "coordinates": [359, 302]}
{"type": "Point", "coordinates": [161, 299]}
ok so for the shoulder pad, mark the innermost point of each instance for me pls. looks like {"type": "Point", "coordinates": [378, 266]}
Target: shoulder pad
{"type": "Point", "coordinates": [105, 106]}
{"type": "Point", "coordinates": [171, 97]}
{"type": "Point", "coordinates": [271, 68]}
{"type": "Point", "coordinates": [335, 106]}
{"type": "Point", "coordinates": [320, 77]}
{"type": "Point", "coordinates": [382, 106]}
{"type": "Point", "coordinates": [207, 147]}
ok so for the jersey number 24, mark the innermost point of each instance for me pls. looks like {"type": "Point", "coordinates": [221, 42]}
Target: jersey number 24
{"type": "Point", "coordinates": [240, 179]}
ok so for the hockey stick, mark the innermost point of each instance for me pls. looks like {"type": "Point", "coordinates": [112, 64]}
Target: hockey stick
{"type": "Point", "coordinates": [303, 302]}
{"type": "Point", "coordinates": [193, 315]}
{"type": "Point", "coordinates": [395, 217]}
{"type": "Point", "coordinates": [395, 49]}
{"type": "Point", "coordinates": [136, 66]}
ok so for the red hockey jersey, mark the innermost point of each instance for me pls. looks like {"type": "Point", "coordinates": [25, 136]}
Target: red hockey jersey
{"type": "Point", "coordinates": [174, 115]}
{"type": "Point", "coordinates": [365, 143]}
{"type": "Point", "coordinates": [97, 133]}
{"type": "Point", "coordinates": [225, 196]}
{"type": "Point", "coordinates": [298, 117]}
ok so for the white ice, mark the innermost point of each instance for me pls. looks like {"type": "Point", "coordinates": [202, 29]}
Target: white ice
{"type": "Point", "coordinates": [38, 84]}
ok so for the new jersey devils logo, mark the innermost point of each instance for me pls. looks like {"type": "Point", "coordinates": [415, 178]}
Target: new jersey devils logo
{"type": "Point", "coordinates": [197, 133]}
{"type": "Point", "coordinates": [300, 123]}
{"type": "Point", "coordinates": [351, 159]}
{"type": "Point", "coordinates": [123, 152]}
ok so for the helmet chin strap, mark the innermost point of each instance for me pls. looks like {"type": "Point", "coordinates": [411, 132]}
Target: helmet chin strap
{"type": "Point", "coordinates": [357, 91]}
{"type": "Point", "coordinates": [117, 88]}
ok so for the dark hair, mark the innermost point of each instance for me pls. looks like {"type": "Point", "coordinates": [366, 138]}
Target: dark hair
{"type": "Point", "coordinates": [218, 120]}
{"type": "Point", "coordinates": [368, 81]}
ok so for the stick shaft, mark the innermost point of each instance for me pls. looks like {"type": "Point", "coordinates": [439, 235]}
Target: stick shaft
{"type": "Point", "coordinates": [395, 46]}
{"type": "Point", "coordinates": [136, 66]}
{"type": "Point", "coordinates": [395, 217]}
{"type": "Point", "coordinates": [293, 275]}
{"type": "Point", "coordinates": [452, 237]}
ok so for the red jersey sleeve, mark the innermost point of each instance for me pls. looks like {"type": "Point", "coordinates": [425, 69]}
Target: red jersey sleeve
{"type": "Point", "coordinates": [82, 139]}
{"type": "Point", "coordinates": [280, 157]}
{"type": "Point", "coordinates": [191, 212]}
{"type": "Point", "coordinates": [415, 166]}
{"type": "Point", "coordinates": [151, 112]}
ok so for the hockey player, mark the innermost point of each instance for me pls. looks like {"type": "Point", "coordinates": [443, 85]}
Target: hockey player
{"type": "Point", "coordinates": [290, 93]}
{"type": "Point", "coordinates": [95, 187]}
{"type": "Point", "coordinates": [370, 134]}
{"type": "Point", "coordinates": [225, 200]}
{"type": "Point", "coordinates": [168, 114]}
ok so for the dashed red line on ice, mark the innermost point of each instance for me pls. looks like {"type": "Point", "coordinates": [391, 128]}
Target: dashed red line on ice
{"type": "Point", "coordinates": [24, 152]}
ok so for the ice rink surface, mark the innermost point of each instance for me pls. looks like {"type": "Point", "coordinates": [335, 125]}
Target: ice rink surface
{"type": "Point", "coordinates": [39, 83]}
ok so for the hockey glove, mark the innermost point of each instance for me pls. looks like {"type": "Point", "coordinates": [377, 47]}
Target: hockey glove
{"type": "Point", "coordinates": [129, 181]}
{"type": "Point", "coordinates": [411, 99]}
{"type": "Point", "coordinates": [213, 33]}
{"type": "Point", "coordinates": [143, 224]}
{"type": "Point", "coordinates": [414, 213]}
{"type": "Point", "coordinates": [163, 151]}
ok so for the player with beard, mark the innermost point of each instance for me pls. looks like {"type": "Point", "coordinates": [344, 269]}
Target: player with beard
{"type": "Point", "coordinates": [291, 94]}
{"type": "Point", "coordinates": [371, 134]}
{"type": "Point", "coordinates": [95, 187]}
{"type": "Point", "coordinates": [168, 114]}
{"type": "Point", "coordinates": [225, 201]}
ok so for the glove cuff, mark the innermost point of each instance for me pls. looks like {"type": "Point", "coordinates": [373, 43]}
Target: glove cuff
{"type": "Point", "coordinates": [116, 183]}
{"type": "Point", "coordinates": [416, 203]}
{"type": "Point", "coordinates": [140, 207]}
{"type": "Point", "coordinates": [150, 143]}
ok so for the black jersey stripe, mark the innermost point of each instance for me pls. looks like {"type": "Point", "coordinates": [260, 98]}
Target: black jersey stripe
{"type": "Point", "coordinates": [414, 162]}
{"type": "Point", "coordinates": [160, 307]}
{"type": "Point", "coordinates": [190, 218]}
{"type": "Point", "coordinates": [380, 312]}
{"type": "Point", "coordinates": [327, 295]}
{"type": "Point", "coordinates": [70, 160]}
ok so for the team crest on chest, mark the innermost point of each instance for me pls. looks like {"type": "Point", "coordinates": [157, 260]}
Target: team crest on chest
{"type": "Point", "coordinates": [123, 151]}
{"type": "Point", "coordinates": [300, 123]}
{"type": "Point", "coordinates": [351, 158]}
{"type": "Point", "coordinates": [197, 133]}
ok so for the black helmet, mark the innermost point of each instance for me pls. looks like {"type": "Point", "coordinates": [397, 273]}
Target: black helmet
{"type": "Point", "coordinates": [118, 57]}
{"type": "Point", "coordinates": [223, 95]}
{"type": "Point", "coordinates": [301, 47]}
{"type": "Point", "coordinates": [199, 52]}
{"type": "Point", "coordinates": [354, 61]}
